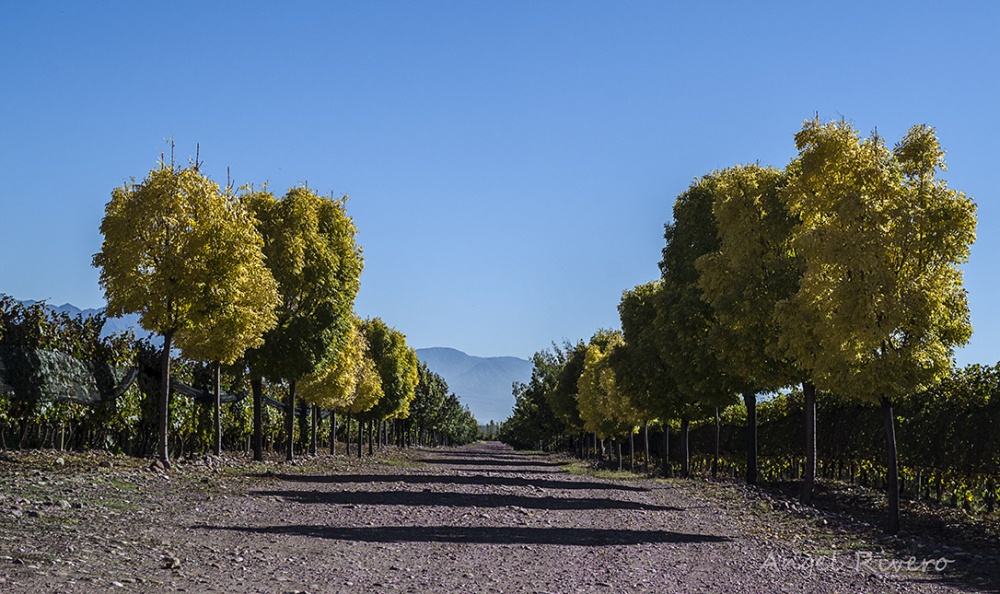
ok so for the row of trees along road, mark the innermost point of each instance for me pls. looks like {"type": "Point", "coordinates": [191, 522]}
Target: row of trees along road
{"type": "Point", "coordinates": [240, 277]}
{"type": "Point", "coordinates": [838, 274]}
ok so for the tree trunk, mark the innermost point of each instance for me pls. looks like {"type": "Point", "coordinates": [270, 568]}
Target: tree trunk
{"type": "Point", "coordinates": [750, 400]}
{"type": "Point", "coordinates": [892, 469]}
{"type": "Point", "coordinates": [631, 451]}
{"type": "Point", "coordinates": [314, 430]}
{"type": "Point", "coordinates": [685, 450]}
{"type": "Point", "coordinates": [333, 433]}
{"type": "Point", "coordinates": [302, 416]}
{"type": "Point", "coordinates": [347, 435]}
{"type": "Point", "coordinates": [666, 449]}
{"type": "Point", "coordinates": [809, 476]}
{"type": "Point", "coordinates": [715, 460]}
{"type": "Point", "coordinates": [645, 439]}
{"type": "Point", "coordinates": [257, 387]}
{"type": "Point", "coordinates": [361, 438]}
{"type": "Point", "coordinates": [217, 380]}
{"type": "Point", "coordinates": [290, 423]}
{"type": "Point", "coordinates": [371, 437]}
{"type": "Point", "coordinates": [162, 447]}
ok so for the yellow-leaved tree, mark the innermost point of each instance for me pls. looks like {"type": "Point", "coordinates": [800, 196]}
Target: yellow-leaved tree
{"type": "Point", "coordinates": [751, 269]}
{"type": "Point", "coordinates": [309, 242]}
{"type": "Point", "coordinates": [332, 386]}
{"type": "Point", "coordinates": [367, 391]}
{"type": "Point", "coordinates": [605, 410]}
{"type": "Point", "coordinates": [163, 238]}
{"type": "Point", "coordinates": [237, 298]}
{"type": "Point", "coordinates": [882, 239]}
{"type": "Point", "coordinates": [347, 382]}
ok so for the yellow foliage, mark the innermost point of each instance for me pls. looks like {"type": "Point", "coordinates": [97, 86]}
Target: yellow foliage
{"type": "Point", "coordinates": [603, 408]}
{"type": "Point", "coordinates": [882, 240]}
{"type": "Point", "coordinates": [348, 381]}
{"type": "Point", "coordinates": [187, 257]}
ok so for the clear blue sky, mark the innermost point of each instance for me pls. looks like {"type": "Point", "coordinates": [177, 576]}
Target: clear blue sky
{"type": "Point", "coordinates": [510, 164]}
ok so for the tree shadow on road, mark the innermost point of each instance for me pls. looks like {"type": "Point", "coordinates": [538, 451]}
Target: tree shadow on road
{"type": "Point", "coordinates": [489, 454]}
{"type": "Point", "coordinates": [489, 461]}
{"type": "Point", "coordinates": [589, 537]}
{"type": "Point", "coordinates": [450, 499]}
{"type": "Point", "coordinates": [479, 479]}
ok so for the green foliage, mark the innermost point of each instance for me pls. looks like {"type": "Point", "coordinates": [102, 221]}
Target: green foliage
{"type": "Point", "coordinates": [949, 443]}
{"type": "Point", "coordinates": [685, 321]}
{"type": "Point", "coordinates": [955, 424]}
{"type": "Point", "coordinates": [561, 397]}
{"type": "Point", "coordinates": [427, 408]}
{"type": "Point", "coordinates": [641, 371]}
{"type": "Point", "coordinates": [310, 250]}
{"type": "Point", "coordinates": [533, 423]}
{"type": "Point", "coordinates": [456, 422]}
{"type": "Point", "coordinates": [61, 371]}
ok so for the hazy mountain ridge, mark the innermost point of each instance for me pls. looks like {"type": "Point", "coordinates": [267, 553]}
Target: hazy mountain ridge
{"type": "Point", "coordinates": [483, 383]}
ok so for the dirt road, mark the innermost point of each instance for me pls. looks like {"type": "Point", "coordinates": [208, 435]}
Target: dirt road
{"type": "Point", "coordinates": [476, 519]}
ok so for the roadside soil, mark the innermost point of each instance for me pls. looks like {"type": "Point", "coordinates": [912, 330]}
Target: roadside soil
{"type": "Point", "coordinates": [477, 519]}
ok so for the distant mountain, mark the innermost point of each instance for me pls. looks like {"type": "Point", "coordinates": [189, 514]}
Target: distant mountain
{"type": "Point", "coordinates": [483, 383]}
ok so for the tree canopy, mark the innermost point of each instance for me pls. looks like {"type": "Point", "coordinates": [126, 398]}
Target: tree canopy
{"type": "Point", "coordinates": [603, 407]}
{"type": "Point", "coordinates": [881, 239]}
{"type": "Point", "coordinates": [397, 368]}
{"type": "Point", "coordinates": [344, 380]}
{"type": "Point", "coordinates": [750, 271]}
{"type": "Point", "coordinates": [684, 321]}
{"type": "Point", "coordinates": [638, 361]}
{"type": "Point", "coordinates": [158, 238]}
{"type": "Point", "coordinates": [309, 242]}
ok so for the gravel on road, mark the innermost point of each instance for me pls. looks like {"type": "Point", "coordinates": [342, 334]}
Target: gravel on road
{"type": "Point", "coordinates": [482, 518]}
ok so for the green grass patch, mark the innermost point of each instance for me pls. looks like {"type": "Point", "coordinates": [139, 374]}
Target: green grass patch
{"type": "Point", "coordinates": [402, 463]}
{"type": "Point", "coordinates": [584, 469]}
